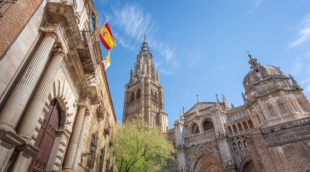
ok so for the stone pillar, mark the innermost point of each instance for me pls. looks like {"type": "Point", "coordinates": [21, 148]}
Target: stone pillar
{"type": "Point", "coordinates": [16, 103]}
{"type": "Point", "coordinates": [253, 153]}
{"type": "Point", "coordinates": [34, 111]}
{"type": "Point", "coordinates": [232, 129]}
{"type": "Point", "coordinates": [74, 139]}
{"type": "Point", "coordinates": [80, 142]}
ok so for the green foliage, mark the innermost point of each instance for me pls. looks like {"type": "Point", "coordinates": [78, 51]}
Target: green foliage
{"type": "Point", "coordinates": [140, 147]}
{"type": "Point", "coordinates": [272, 130]}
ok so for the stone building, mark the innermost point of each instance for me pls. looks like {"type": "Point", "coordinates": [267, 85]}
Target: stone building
{"type": "Point", "coordinates": [143, 93]}
{"type": "Point", "coordinates": [270, 132]}
{"type": "Point", "coordinates": [56, 111]}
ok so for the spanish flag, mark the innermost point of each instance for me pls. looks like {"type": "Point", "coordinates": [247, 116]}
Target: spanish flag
{"type": "Point", "coordinates": [106, 37]}
{"type": "Point", "coordinates": [107, 62]}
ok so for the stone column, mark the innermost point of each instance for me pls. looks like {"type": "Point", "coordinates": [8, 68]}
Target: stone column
{"type": "Point", "coordinates": [34, 111]}
{"type": "Point", "coordinates": [74, 139]}
{"type": "Point", "coordinates": [16, 103]}
{"type": "Point", "coordinates": [80, 142]}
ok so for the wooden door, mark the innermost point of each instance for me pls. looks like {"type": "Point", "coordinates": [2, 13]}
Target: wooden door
{"type": "Point", "coordinates": [46, 138]}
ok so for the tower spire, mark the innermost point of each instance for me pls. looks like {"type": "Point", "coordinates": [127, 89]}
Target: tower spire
{"type": "Point", "coordinates": [217, 98]}
{"type": "Point", "coordinates": [198, 100]}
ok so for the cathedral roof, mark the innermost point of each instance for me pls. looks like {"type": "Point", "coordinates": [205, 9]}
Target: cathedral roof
{"type": "Point", "coordinates": [259, 72]}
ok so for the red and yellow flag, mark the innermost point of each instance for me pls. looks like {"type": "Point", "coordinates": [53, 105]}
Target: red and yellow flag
{"type": "Point", "coordinates": [106, 37]}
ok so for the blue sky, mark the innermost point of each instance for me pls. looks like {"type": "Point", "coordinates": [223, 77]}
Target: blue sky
{"type": "Point", "coordinates": [199, 47]}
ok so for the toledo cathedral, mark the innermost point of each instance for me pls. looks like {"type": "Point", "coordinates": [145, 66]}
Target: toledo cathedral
{"type": "Point", "coordinates": [270, 132]}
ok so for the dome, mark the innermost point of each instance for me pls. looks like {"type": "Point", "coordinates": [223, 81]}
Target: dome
{"type": "Point", "coordinates": [258, 73]}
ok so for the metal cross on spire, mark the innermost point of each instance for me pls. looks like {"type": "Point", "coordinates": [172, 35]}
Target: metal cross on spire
{"type": "Point", "coordinates": [248, 52]}
{"type": "Point", "coordinates": [144, 36]}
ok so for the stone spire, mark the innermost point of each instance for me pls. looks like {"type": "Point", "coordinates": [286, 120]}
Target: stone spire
{"type": "Point", "coordinates": [232, 106]}
{"type": "Point", "coordinates": [157, 76]}
{"type": "Point", "coordinates": [244, 98]}
{"type": "Point", "coordinates": [198, 100]}
{"type": "Point", "coordinates": [217, 98]}
{"type": "Point", "coordinates": [130, 77]}
{"type": "Point", "coordinates": [180, 114]}
{"type": "Point", "coordinates": [183, 111]}
{"type": "Point", "coordinates": [294, 81]}
{"type": "Point", "coordinates": [225, 102]}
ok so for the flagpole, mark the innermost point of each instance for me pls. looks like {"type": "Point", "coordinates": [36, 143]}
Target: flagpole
{"type": "Point", "coordinates": [104, 57]}
{"type": "Point", "coordinates": [98, 30]}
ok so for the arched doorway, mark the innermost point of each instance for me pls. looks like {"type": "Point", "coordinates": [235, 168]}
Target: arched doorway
{"type": "Point", "coordinates": [208, 164]}
{"type": "Point", "coordinates": [249, 167]}
{"type": "Point", "coordinates": [46, 138]}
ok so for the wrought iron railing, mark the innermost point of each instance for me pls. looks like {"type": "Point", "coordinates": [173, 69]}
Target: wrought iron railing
{"type": "Point", "coordinates": [5, 5]}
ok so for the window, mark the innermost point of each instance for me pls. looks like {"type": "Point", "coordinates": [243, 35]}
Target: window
{"type": "Point", "coordinates": [132, 97]}
{"type": "Point", "coordinates": [91, 22]}
{"type": "Point", "coordinates": [138, 93]}
{"type": "Point", "coordinates": [92, 150]}
{"type": "Point", "coordinates": [245, 144]}
{"type": "Point", "coordinates": [234, 146]}
{"type": "Point", "coordinates": [259, 120]}
{"type": "Point", "coordinates": [195, 129]}
{"type": "Point", "coordinates": [207, 125]}
{"type": "Point", "coordinates": [271, 111]}
{"type": "Point", "coordinates": [282, 108]}
{"type": "Point", "coordinates": [302, 106]}
{"type": "Point", "coordinates": [239, 144]}
{"type": "Point", "coordinates": [101, 161]}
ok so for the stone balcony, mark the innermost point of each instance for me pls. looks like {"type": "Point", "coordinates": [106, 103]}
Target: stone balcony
{"type": "Point", "coordinates": [194, 139]}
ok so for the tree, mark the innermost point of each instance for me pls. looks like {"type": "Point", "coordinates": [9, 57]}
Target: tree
{"type": "Point", "coordinates": [140, 147]}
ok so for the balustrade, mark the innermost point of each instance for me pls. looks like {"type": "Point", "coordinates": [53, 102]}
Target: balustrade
{"type": "Point", "coordinates": [200, 138]}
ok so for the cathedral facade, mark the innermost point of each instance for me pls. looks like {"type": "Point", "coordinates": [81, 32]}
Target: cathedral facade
{"type": "Point", "coordinates": [270, 132]}
{"type": "Point", "coordinates": [56, 111]}
{"type": "Point", "coordinates": [144, 94]}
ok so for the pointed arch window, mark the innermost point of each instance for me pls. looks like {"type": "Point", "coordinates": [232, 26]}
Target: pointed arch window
{"type": "Point", "coordinates": [245, 144]}
{"type": "Point", "coordinates": [138, 93]}
{"type": "Point", "coordinates": [302, 106]}
{"type": "Point", "coordinates": [239, 144]}
{"type": "Point", "coordinates": [207, 125]}
{"type": "Point", "coordinates": [259, 120]}
{"type": "Point", "coordinates": [271, 111]}
{"type": "Point", "coordinates": [282, 108]}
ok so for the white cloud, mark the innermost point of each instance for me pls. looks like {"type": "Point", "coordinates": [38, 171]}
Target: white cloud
{"type": "Point", "coordinates": [134, 23]}
{"type": "Point", "coordinates": [297, 67]}
{"type": "Point", "coordinates": [305, 81]}
{"type": "Point", "coordinates": [303, 33]}
{"type": "Point", "coordinates": [256, 4]}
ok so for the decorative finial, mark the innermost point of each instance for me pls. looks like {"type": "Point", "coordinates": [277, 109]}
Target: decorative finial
{"type": "Point", "coordinates": [183, 111]}
{"type": "Point", "coordinates": [144, 36]}
{"type": "Point", "coordinates": [248, 52]}
{"type": "Point", "coordinates": [198, 100]}
{"type": "Point", "coordinates": [232, 106]}
{"type": "Point", "coordinates": [180, 114]}
{"type": "Point", "coordinates": [217, 98]}
{"type": "Point", "coordinates": [295, 83]}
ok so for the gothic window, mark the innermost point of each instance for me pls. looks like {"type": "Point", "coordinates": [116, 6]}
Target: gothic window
{"type": "Point", "coordinates": [282, 108]}
{"type": "Point", "coordinates": [207, 125]}
{"type": "Point", "coordinates": [240, 127]}
{"type": "Point", "coordinates": [234, 146]}
{"type": "Point", "coordinates": [195, 129]}
{"type": "Point", "coordinates": [259, 120]}
{"type": "Point", "coordinates": [271, 111]}
{"type": "Point", "coordinates": [138, 93]}
{"type": "Point", "coordinates": [132, 97]}
{"type": "Point", "coordinates": [245, 126]}
{"type": "Point", "coordinates": [235, 129]}
{"type": "Point", "coordinates": [263, 115]}
{"type": "Point", "coordinates": [239, 144]}
{"type": "Point", "coordinates": [251, 124]}
{"type": "Point", "coordinates": [302, 106]}
{"type": "Point", "coordinates": [92, 150]}
{"type": "Point", "coordinates": [229, 130]}
{"type": "Point", "coordinates": [101, 161]}
{"type": "Point", "coordinates": [245, 144]}
{"type": "Point", "coordinates": [91, 22]}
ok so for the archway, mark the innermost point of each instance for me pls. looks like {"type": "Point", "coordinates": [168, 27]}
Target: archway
{"type": "Point", "coordinates": [195, 129]}
{"type": "Point", "coordinates": [207, 125]}
{"type": "Point", "coordinates": [249, 167]}
{"type": "Point", "coordinates": [207, 163]}
{"type": "Point", "coordinates": [46, 137]}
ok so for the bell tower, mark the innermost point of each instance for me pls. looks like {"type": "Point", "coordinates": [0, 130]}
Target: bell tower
{"type": "Point", "coordinates": [144, 93]}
